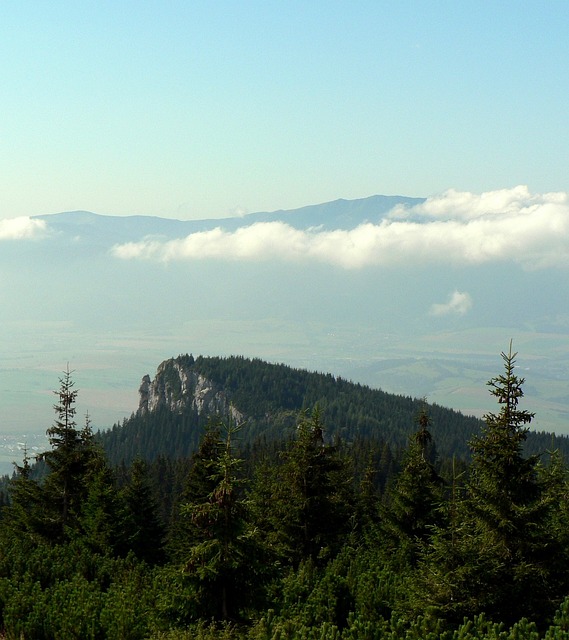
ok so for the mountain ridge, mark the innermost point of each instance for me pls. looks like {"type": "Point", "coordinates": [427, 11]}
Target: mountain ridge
{"type": "Point", "coordinates": [340, 213]}
{"type": "Point", "coordinates": [268, 399]}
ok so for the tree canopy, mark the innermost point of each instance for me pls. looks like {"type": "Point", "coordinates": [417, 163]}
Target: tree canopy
{"type": "Point", "coordinates": [305, 537]}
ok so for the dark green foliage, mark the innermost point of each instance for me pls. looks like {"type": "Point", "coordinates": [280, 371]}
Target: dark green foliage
{"type": "Point", "coordinates": [200, 482]}
{"type": "Point", "coordinates": [286, 538]}
{"type": "Point", "coordinates": [367, 502]}
{"type": "Point", "coordinates": [152, 435]}
{"type": "Point", "coordinates": [271, 396]}
{"type": "Point", "coordinates": [167, 479]}
{"type": "Point", "coordinates": [414, 501]}
{"type": "Point", "coordinates": [221, 563]}
{"type": "Point", "coordinates": [312, 596]}
{"type": "Point", "coordinates": [65, 460]}
{"type": "Point", "coordinates": [497, 553]}
{"type": "Point", "coordinates": [102, 524]}
{"type": "Point", "coordinates": [306, 502]}
{"type": "Point", "coordinates": [67, 591]}
{"type": "Point", "coordinates": [508, 508]}
{"type": "Point", "coordinates": [348, 409]}
{"type": "Point", "coordinates": [73, 457]}
{"type": "Point", "coordinates": [25, 514]}
{"type": "Point", "coordinates": [143, 532]}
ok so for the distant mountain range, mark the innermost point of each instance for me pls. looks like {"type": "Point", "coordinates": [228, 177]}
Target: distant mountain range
{"type": "Point", "coordinates": [102, 229]}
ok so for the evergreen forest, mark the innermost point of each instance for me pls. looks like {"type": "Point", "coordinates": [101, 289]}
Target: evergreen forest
{"type": "Point", "coordinates": [330, 512]}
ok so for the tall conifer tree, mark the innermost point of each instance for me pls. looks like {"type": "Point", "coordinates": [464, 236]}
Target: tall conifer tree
{"type": "Point", "coordinates": [223, 564]}
{"type": "Point", "coordinates": [24, 516]}
{"type": "Point", "coordinates": [497, 553]}
{"type": "Point", "coordinates": [143, 529]}
{"type": "Point", "coordinates": [306, 502]}
{"type": "Point", "coordinates": [70, 460]}
{"type": "Point", "coordinates": [414, 502]}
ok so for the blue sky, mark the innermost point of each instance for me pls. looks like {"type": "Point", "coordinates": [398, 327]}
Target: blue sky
{"type": "Point", "coordinates": [208, 109]}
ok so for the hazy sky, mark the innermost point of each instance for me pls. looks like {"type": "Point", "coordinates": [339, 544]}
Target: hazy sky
{"type": "Point", "coordinates": [206, 109]}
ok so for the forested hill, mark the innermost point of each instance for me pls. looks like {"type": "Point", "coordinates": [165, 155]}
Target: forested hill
{"type": "Point", "coordinates": [268, 398]}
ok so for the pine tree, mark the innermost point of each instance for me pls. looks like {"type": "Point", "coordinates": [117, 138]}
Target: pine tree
{"type": "Point", "coordinates": [497, 554]}
{"type": "Point", "coordinates": [25, 515]}
{"type": "Point", "coordinates": [70, 460]}
{"type": "Point", "coordinates": [505, 502]}
{"type": "Point", "coordinates": [224, 563]}
{"type": "Point", "coordinates": [554, 553]}
{"type": "Point", "coordinates": [101, 521]}
{"type": "Point", "coordinates": [143, 529]}
{"type": "Point", "coordinates": [368, 502]}
{"type": "Point", "coordinates": [440, 587]}
{"type": "Point", "coordinates": [199, 484]}
{"type": "Point", "coordinates": [306, 502]}
{"type": "Point", "coordinates": [413, 504]}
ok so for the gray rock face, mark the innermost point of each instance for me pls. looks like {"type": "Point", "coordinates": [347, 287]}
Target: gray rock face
{"type": "Point", "coordinates": [180, 389]}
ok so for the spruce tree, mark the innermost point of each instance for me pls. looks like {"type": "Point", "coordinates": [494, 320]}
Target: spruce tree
{"type": "Point", "coordinates": [199, 484]}
{"type": "Point", "coordinates": [554, 477]}
{"type": "Point", "coordinates": [413, 503]}
{"type": "Point", "coordinates": [497, 553]}
{"type": "Point", "coordinates": [144, 532]}
{"type": "Point", "coordinates": [224, 563]}
{"type": "Point", "coordinates": [440, 586]}
{"type": "Point", "coordinates": [306, 502]}
{"type": "Point", "coordinates": [70, 460]}
{"type": "Point", "coordinates": [506, 504]}
{"type": "Point", "coordinates": [368, 503]}
{"type": "Point", "coordinates": [24, 515]}
{"type": "Point", "coordinates": [101, 522]}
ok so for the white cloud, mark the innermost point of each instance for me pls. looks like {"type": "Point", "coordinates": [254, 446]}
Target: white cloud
{"type": "Point", "coordinates": [261, 241]}
{"type": "Point", "coordinates": [454, 228]}
{"type": "Point", "coordinates": [457, 205]}
{"type": "Point", "coordinates": [458, 304]}
{"type": "Point", "coordinates": [21, 228]}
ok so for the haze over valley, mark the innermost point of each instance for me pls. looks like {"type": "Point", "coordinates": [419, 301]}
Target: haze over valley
{"type": "Point", "coordinates": [414, 296]}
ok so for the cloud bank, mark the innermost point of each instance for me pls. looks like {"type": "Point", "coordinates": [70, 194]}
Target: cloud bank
{"type": "Point", "coordinates": [21, 228]}
{"type": "Point", "coordinates": [458, 304]}
{"type": "Point", "coordinates": [455, 228]}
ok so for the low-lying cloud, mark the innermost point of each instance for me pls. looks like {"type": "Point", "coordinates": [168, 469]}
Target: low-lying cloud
{"type": "Point", "coordinates": [21, 228]}
{"type": "Point", "coordinates": [455, 228]}
{"type": "Point", "coordinates": [458, 303]}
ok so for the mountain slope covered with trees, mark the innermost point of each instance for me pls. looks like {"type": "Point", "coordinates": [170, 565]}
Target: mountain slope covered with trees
{"type": "Point", "coordinates": [268, 398]}
{"type": "Point", "coordinates": [291, 536]}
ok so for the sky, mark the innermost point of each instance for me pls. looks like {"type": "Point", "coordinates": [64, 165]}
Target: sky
{"type": "Point", "coordinates": [212, 109]}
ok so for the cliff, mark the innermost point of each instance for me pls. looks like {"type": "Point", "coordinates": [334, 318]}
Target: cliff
{"type": "Point", "coordinates": [180, 388]}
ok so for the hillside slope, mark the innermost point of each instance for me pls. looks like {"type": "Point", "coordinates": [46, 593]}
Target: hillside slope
{"type": "Point", "coordinates": [268, 398]}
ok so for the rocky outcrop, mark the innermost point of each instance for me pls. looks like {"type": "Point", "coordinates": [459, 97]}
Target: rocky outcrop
{"type": "Point", "coordinates": [181, 388]}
